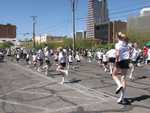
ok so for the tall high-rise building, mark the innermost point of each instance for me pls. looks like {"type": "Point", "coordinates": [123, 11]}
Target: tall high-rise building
{"type": "Point", "coordinates": [97, 14]}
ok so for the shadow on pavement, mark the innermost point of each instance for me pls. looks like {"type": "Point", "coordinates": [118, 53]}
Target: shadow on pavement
{"type": "Point", "coordinates": [140, 98]}
{"type": "Point", "coordinates": [142, 77]}
{"type": "Point", "coordinates": [125, 108]}
{"type": "Point", "coordinates": [53, 75]}
{"type": "Point", "coordinates": [81, 110]}
{"type": "Point", "coordinates": [73, 81]}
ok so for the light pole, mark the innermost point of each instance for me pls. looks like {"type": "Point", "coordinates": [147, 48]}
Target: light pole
{"type": "Point", "coordinates": [73, 4]}
{"type": "Point", "coordinates": [34, 22]}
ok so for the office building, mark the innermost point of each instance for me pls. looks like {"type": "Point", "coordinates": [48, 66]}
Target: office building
{"type": "Point", "coordinates": [138, 27]}
{"type": "Point", "coordinates": [107, 32]}
{"type": "Point", "coordinates": [145, 11]}
{"type": "Point", "coordinates": [97, 14]}
{"type": "Point", "coordinates": [81, 35]}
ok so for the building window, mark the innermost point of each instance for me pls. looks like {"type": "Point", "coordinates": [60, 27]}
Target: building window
{"type": "Point", "coordinates": [97, 27]}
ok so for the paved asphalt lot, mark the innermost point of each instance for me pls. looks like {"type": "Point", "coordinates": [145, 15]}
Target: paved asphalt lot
{"type": "Point", "coordinates": [23, 90]}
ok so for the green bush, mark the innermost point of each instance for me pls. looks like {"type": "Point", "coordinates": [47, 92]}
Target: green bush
{"type": "Point", "coordinates": [68, 42]}
{"type": "Point", "coordinates": [6, 45]}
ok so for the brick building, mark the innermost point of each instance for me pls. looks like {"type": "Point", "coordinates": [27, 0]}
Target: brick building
{"type": "Point", "coordinates": [7, 33]}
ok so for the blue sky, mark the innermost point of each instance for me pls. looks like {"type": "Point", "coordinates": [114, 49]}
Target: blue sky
{"type": "Point", "coordinates": [54, 16]}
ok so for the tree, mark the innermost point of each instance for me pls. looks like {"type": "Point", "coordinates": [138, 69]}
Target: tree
{"type": "Point", "coordinates": [6, 44]}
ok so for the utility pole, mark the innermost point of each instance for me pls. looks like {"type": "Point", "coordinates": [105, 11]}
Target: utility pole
{"type": "Point", "coordinates": [34, 22]}
{"type": "Point", "coordinates": [114, 34]}
{"type": "Point", "coordinates": [109, 36]}
{"type": "Point", "coordinates": [73, 4]}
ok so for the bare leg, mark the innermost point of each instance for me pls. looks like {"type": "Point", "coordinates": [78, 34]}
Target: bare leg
{"type": "Point", "coordinates": [64, 73]}
{"type": "Point", "coordinates": [116, 79]}
{"type": "Point", "coordinates": [123, 81]}
{"type": "Point", "coordinates": [132, 70]}
{"type": "Point", "coordinates": [63, 80]}
{"type": "Point", "coordinates": [111, 68]}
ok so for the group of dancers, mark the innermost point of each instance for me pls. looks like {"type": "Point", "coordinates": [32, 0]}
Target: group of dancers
{"type": "Point", "coordinates": [117, 61]}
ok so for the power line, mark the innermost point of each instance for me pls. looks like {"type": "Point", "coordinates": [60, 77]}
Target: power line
{"type": "Point", "coordinates": [125, 13]}
{"type": "Point", "coordinates": [49, 27]}
{"type": "Point", "coordinates": [128, 10]}
{"type": "Point", "coordinates": [55, 27]}
{"type": "Point", "coordinates": [120, 12]}
{"type": "Point", "coordinates": [78, 19]}
{"type": "Point", "coordinates": [126, 6]}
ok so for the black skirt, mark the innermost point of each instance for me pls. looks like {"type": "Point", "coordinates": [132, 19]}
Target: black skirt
{"type": "Point", "coordinates": [134, 62]}
{"type": "Point", "coordinates": [148, 61]}
{"type": "Point", "coordinates": [47, 62]}
{"type": "Point", "coordinates": [124, 64]}
{"type": "Point", "coordinates": [70, 63]}
{"type": "Point", "coordinates": [112, 60]}
{"type": "Point", "coordinates": [78, 61]}
{"type": "Point", "coordinates": [63, 64]}
{"type": "Point", "coordinates": [27, 60]}
{"type": "Point", "coordinates": [56, 60]}
{"type": "Point", "coordinates": [105, 63]}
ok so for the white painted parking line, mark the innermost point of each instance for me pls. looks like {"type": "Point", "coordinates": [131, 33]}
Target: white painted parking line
{"type": "Point", "coordinates": [40, 84]}
{"type": "Point", "coordinates": [65, 96]}
{"type": "Point", "coordinates": [26, 105]}
{"type": "Point", "coordinates": [33, 85]}
{"type": "Point", "coordinates": [46, 109]}
{"type": "Point", "coordinates": [74, 97]}
{"type": "Point", "coordinates": [86, 93]}
{"type": "Point", "coordinates": [28, 86]}
{"type": "Point", "coordinates": [34, 72]}
{"type": "Point", "coordinates": [98, 92]}
{"type": "Point", "coordinates": [100, 97]}
{"type": "Point", "coordinates": [30, 92]}
{"type": "Point", "coordinates": [73, 107]}
{"type": "Point", "coordinates": [95, 95]}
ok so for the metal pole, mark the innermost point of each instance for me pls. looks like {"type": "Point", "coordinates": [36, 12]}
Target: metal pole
{"type": "Point", "coordinates": [114, 34]}
{"type": "Point", "coordinates": [73, 3]}
{"type": "Point", "coordinates": [109, 38]}
{"type": "Point", "coordinates": [34, 22]}
{"type": "Point", "coordinates": [73, 23]}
